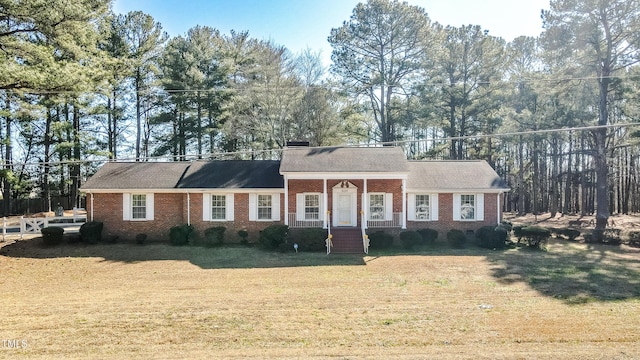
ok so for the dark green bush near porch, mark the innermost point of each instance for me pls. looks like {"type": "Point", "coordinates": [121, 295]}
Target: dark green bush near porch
{"type": "Point", "coordinates": [569, 234]}
{"type": "Point", "coordinates": [52, 235]}
{"type": "Point", "coordinates": [311, 239]}
{"type": "Point", "coordinates": [141, 239]}
{"type": "Point", "coordinates": [91, 232]}
{"type": "Point", "coordinates": [429, 236]}
{"type": "Point", "coordinates": [214, 236]}
{"type": "Point", "coordinates": [492, 237]}
{"type": "Point", "coordinates": [274, 237]}
{"type": "Point", "coordinates": [456, 238]}
{"type": "Point", "coordinates": [179, 235]}
{"type": "Point", "coordinates": [380, 240]}
{"type": "Point", "coordinates": [410, 239]}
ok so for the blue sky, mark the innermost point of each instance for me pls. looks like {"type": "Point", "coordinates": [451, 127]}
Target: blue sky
{"type": "Point", "coordinates": [298, 24]}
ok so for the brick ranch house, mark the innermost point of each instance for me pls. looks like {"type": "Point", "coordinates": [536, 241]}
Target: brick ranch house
{"type": "Point", "coordinates": [348, 191]}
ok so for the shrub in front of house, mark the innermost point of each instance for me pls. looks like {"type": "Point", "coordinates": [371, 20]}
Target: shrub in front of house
{"type": "Point", "coordinates": [456, 238]}
{"type": "Point", "coordinates": [214, 236]}
{"type": "Point", "coordinates": [141, 239]}
{"type": "Point", "coordinates": [311, 239]}
{"type": "Point", "coordinates": [91, 232]}
{"type": "Point", "coordinates": [410, 239]}
{"type": "Point", "coordinates": [569, 234]}
{"type": "Point", "coordinates": [634, 238]}
{"type": "Point", "coordinates": [492, 237]}
{"type": "Point", "coordinates": [273, 237]}
{"type": "Point", "coordinates": [244, 235]}
{"type": "Point", "coordinates": [429, 236]}
{"type": "Point", "coordinates": [52, 235]}
{"type": "Point", "coordinates": [179, 235]}
{"type": "Point", "coordinates": [380, 240]}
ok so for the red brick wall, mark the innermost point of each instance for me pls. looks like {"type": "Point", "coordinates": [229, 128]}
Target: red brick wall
{"type": "Point", "coordinates": [445, 216]}
{"type": "Point", "coordinates": [168, 212]}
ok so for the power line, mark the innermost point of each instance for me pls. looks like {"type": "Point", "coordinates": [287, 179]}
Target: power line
{"type": "Point", "coordinates": [192, 157]}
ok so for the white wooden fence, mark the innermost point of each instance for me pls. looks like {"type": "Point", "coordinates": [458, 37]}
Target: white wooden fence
{"type": "Point", "coordinates": [33, 225]}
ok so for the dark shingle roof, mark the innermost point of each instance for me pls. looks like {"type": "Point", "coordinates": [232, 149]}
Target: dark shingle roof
{"type": "Point", "coordinates": [453, 175]}
{"type": "Point", "coordinates": [137, 175]}
{"type": "Point", "coordinates": [233, 174]}
{"type": "Point", "coordinates": [344, 159]}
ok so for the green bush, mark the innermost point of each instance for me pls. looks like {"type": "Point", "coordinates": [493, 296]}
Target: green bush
{"type": "Point", "coordinates": [517, 231]}
{"type": "Point", "coordinates": [380, 240]}
{"type": "Point", "coordinates": [429, 236]}
{"type": "Point", "coordinates": [492, 237]}
{"type": "Point", "coordinates": [91, 232]}
{"type": "Point", "coordinates": [535, 236]}
{"type": "Point", "coordinates": [508, 225]}
{"type": "Point", "coordinates": [141, 239]}
{"type": "Point", "coordinates": [569, 234]}
{"type": "Point", "coordinates": [214, 236]}
{"type": "Point", "coordinates": [410, 239]}
{"type": "Point", "coordinates": [634, 238]}
{"type": "Point", "coordinates": [179, 235]}
{"type": "Point", "coordinates": [312, 239]}
{"type": "Point", "coordinates": [52, 235]}
{"type": "Point", "coordinates": [273, 237]}
{"type": "Point", "coordinates": [456, 238]}
{"type": "Point", "coordinates": [244, 234]}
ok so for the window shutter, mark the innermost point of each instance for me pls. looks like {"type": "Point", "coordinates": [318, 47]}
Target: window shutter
{"type": "Point", "coordinates": [150, 206]}
{"type": "Point", "coordinates": [388, 206]}
{"type": "Point", "coordinates": [411, 206]}
{"type": "Point", "coordinates": [299, 207]}
{"type": "Point", "coordinates": [456, 207]}
{"type": "Point", "coordinates": [480, 207]}
{"type": "Point", "coordinates": [229, 204]}
{"type": "Point", "coordinates": [433, 201]}
{"type": "Point", "coordinates": [253, 207]}
{"type": "Point", "coordinates": [126, 206]}
{"type": "Point", "coordinates": [275, 207]}
{"type": "Point", "coordinates": [206, 207]}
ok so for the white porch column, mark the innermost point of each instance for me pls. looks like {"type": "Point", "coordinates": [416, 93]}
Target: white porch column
{"type": "Point", "coordinates": [365, 210]}
{"type": "Point", "coordinates": [91, 206]}
{"type": "Point", "coordinates": [286, 200]}
{"type": "Point", "coordinates": [404, 203]}
{"type": "Point", "coordinates": [325, 203]}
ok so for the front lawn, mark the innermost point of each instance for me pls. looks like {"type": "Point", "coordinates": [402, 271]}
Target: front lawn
{"type": "Point", "coordinates": [129, 301]}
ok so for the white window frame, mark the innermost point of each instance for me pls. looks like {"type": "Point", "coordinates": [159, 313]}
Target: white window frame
{"type": "Point", "coordinates": [413, 214]}
{"type": "Point", "coordinates": [275, 207]}
{"type": "Point", "coordinates": [387, 206]}
{"type": "Point", "coordinates": [301, 206]}
{"type": "Point", "coordinates": [478, 207]}
{"type": "Point", "coordinates": [127, 206]}
{"type": "Point", "coordinates": [207, 207]}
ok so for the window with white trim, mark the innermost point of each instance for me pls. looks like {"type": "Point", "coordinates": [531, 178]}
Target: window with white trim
{"type": "Point", "coordinates": [422, 207]}
{"type": "Point", "coordinates": [311, 206]}
{"type": "Point", "coordinates": [467, 207]}
{"type": "Point", "coordinates": [137, 207]}
{"type": "Point", "coordinates": [218, 207]}
{"type": "Point", "coordinates": [376, 207]}
{"type": "Point", "coordinates": [265, 209]}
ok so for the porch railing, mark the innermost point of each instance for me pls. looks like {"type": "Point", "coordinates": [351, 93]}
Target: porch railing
{"type": "Point", "coordinates": [395, 221]}
{"type": "Point", "coordinates": [295, 223]}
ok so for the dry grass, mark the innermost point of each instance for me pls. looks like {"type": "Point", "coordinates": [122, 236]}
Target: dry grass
{"type": "Point", "coordinates": [156, 301]}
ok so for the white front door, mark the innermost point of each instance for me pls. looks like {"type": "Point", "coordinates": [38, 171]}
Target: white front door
{"type": "Point", "coordinates": [344, 207]}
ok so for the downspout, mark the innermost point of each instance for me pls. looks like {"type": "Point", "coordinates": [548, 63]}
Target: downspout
{"type": "Point", "coordinates": [188, 208]}
{"type": "Point", "coordinates": [92, 207]}
{"type": "Point", "coordinates": [404, 203]}
{"type": "Point", "coordinates": [498, 208]}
